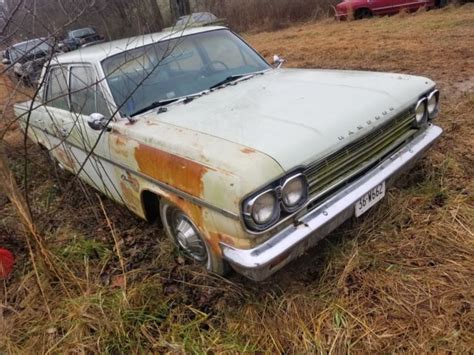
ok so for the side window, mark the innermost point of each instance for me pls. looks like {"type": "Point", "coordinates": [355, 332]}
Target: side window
{"type": "Point", "coordinates": [86, 97]}
{"type": "Point", "coordinates": [57, 91]}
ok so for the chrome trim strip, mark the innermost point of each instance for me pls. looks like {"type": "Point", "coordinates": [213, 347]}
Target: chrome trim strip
{"type": "Point", "coordinates": [422, 3]}
{"type": "Point", "coordinates": [162, 185]}
{"type": "Point", "coordinates": [263, 260]}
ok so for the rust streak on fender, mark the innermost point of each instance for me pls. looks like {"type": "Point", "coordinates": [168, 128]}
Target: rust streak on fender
{"type": "Point", "coordinates": [119, 145]}
{"type": "Point", "coordinates": [131, 197]}
{"type": "Point", "coordinates": [65, 158]}
{"type": "Point", "coordinates": [214, 241]}
{"type": "Point", "coordinates": [130, 188]}
{"type": "Point", "coordinates": [193, 211]}
{"type": "Point", "coordinates": [181, 173]}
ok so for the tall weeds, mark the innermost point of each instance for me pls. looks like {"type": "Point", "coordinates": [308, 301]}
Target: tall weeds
{"type": "Point", "coordinates": [245, 15]}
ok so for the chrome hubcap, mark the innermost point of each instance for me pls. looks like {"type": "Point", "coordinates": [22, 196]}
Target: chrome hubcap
{"type": "Point", "coordinates": [188, 237]}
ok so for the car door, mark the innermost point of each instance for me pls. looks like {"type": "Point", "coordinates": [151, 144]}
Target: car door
{"type": "Point", "coordinates": [41, 119]}
{"type": "Point", "coordinates": [90, 146]}
{"type": "Point", "coordinates": [383, 7]}
{"type": "Point", "coordinates": [414, 5]}
{"type": "Point", "coordinates": [53, 117]}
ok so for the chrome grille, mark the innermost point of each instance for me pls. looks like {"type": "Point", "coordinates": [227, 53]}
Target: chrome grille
{"type": "Point", "coordinates": [332, 171]}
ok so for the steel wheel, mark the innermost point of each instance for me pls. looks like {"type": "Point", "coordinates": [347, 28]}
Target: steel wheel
{"type": "Point", "coordinates": [187, 237]}
{"type": "Point", "coordinates": [184, 233]}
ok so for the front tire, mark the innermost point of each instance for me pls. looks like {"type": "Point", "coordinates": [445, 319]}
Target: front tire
{"type": "Point", "coordinates": [363, 13]}
{"type": "Point", "coordinates": [188, 239]}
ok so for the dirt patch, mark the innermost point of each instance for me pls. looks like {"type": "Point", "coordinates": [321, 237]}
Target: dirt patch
{"type": "Point", "coordinates": [465, 86]}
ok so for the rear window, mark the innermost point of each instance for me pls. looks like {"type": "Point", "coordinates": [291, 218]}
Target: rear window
{"type": "Point", "coordinates": [29, 48]}
{"type": "Point", "coordinates": [81, 33]}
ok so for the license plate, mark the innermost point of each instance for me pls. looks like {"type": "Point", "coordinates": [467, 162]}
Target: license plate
{"type": "Point", "coordinates": [370, 199]}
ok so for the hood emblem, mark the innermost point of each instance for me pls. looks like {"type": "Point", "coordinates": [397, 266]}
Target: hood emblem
{"type": "Point", "coordinates": [368, 123]}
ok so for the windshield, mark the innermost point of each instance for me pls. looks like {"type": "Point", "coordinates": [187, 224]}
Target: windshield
{"type": "Point", "coordinates": [179, 67]}
{"type": "Point", "coordinates": [28, 49]}
{"type": "Point", "coordinates": [81, 33]}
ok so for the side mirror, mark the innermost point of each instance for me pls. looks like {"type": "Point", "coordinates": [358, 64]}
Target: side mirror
{"type": "Point", "coordinates": [278, 61]}
{"type": "Point", "coordinates": [5, 61]}
{"type": "Point", "coordinates": [97, 121]}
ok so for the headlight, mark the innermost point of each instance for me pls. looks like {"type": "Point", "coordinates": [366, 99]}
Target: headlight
{"type": "Point", "coordinates": [280, 199]}
{"type": "Point", "coordinates": [294, 192]}
{"type": "Point", "coordinates": [262, 210]}
{"type": "Point", "coordinates": [420, 111]}
{"type": "Point", "coordinates": [433, 104]}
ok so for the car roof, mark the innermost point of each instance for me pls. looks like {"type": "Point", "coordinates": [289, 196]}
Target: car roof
{"type": "Point", "coordinates": [43, 39]}
{"type": "Point", "coordinates": [101, 51]}
{"type": "Point", "coordinates": [82, 28]}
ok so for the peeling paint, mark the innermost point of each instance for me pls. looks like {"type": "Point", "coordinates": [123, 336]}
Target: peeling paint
{"type": "Point", "coordinates": [131, 181]}
{"type": "Point", "coordinates": [119, 144]}
{"type": "Point", "coordinates": [184, 174]}
{"type": "Point", "coordinates": [247, 150]}
{"type": "Point", "coordinates": [64, 158]}
{"type": "Point", "coordinates": [131, 197]}
{"type": "Point", "coordinates": [194, 211]}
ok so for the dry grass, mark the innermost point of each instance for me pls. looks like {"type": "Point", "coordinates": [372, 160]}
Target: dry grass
{"type": "Point", "coordinates": [257, 15]}
{"type": "Point", "coordinates": [398, 280]}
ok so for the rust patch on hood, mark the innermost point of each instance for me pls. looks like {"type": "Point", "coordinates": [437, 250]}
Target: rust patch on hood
{"type": "Point", "coordinates": [181, 173]}
{"type": "Point", "coordinates": [247, 150]}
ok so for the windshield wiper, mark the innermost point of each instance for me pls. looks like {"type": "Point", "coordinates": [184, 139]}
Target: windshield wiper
{"type": "Point", "coordinates": [232, 78]}
{"type": "Point", "coordinates": [186, 99]}
{"type": "Point", "coordinates": [155, 105]}
{"type": "Point", "coordinates": [236, 77]}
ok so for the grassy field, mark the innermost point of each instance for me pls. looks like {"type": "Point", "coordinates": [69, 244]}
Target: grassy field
{"type": "Point", "coordinates": [400, 279]}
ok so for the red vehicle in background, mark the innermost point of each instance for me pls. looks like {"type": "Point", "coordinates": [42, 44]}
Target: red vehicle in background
{"type": "Point", "coordinates": [360, 9]}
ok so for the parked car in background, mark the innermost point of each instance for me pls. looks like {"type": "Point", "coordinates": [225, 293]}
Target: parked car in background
{"type": "Point", "coordinates": [244, 163]}
{"type": "Point", "coordinates": [197, 19]}
{"type": "Point", "coordinates": [82, 37]}
{"type": "Point", "coordinates": [360, 9]}
{"type": "Point", "coordinates": [27, 59]}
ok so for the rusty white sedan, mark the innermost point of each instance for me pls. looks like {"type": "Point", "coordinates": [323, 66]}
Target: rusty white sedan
{"type": "Point", "coordinates": [246, 164]}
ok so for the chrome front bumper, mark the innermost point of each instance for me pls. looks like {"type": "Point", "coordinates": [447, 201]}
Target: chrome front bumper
{"type": "Point", "coordinates": [266, 258]}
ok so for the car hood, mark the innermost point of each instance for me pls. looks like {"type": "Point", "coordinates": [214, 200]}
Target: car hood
{"type": "Point", "coordinates": [296, 116]}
